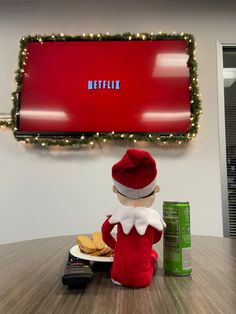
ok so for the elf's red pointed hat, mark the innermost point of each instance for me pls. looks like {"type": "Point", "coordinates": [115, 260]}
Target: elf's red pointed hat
{"type": "Point", "coordinates": [135, 174]}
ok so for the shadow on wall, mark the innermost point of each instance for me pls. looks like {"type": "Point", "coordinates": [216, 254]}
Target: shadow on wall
{"type": "Point", "coordinates": [113, 149]}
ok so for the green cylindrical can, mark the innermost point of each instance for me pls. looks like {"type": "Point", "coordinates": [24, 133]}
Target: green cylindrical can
{"type": "Point", "coordinates": [177, 238]}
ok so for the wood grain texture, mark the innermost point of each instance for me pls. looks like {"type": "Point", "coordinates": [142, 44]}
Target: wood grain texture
{"type": "Point", "coordinates": [30, 282]}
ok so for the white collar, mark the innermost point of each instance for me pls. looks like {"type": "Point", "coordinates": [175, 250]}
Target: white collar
{"type": "Point", "coordinates": [139, 217]}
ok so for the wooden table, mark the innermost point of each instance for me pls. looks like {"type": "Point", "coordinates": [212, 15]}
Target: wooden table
{"type": "Point", "coordinates": [30, 282]}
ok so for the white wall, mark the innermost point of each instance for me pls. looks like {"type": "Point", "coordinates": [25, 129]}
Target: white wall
{"type": "Point", "coordinates": [49, 192]}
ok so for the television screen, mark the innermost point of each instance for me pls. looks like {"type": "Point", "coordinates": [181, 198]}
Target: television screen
{"type": "Point", "coordinates": [84, 87]}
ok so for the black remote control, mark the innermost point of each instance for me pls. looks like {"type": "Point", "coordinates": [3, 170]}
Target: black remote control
{"type": "Point", "coordinates": [77, 272]}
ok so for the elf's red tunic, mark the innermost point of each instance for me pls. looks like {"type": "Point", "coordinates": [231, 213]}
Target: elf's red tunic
{"type": "Point", "coordinates": [134, 259]}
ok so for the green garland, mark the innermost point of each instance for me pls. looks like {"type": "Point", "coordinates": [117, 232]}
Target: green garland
{"type": "Point", "coordinates": [195, 103]}
{"type": "Point", "coordinates": [6, 124]}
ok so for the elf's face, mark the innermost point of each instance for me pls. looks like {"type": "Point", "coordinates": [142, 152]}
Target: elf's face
{"type": "Point", "coordinates": [141, 202]}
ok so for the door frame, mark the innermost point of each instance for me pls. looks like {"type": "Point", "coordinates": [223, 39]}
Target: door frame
{"type": "Point", "coordinates": [222, 137]}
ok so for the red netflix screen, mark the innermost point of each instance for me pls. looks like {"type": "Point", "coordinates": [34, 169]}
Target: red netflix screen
{"type": "Point", "coordinates": [76, 87]}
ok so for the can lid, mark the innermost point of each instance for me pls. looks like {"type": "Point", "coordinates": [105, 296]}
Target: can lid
{"type": "Point", "coordinates": [175, 203]}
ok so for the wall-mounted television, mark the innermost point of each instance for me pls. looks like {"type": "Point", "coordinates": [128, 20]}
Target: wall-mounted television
{"type": "Point", "coordinates": [81, 86]}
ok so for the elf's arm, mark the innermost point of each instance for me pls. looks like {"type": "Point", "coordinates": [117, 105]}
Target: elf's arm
{"type": "Point", "coordinates": [157, 235]}
{"type": "Point", "coordinates": [106, 234]}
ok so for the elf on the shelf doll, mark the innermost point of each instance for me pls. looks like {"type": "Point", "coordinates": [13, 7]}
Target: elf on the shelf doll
{"type": "Point", "coordinates": [138, 225]}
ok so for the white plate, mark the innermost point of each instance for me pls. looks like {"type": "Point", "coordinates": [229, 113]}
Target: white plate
{"type": "Point", "coordinates": [75, 251]}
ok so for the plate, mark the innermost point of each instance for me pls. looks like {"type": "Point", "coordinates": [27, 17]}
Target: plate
{"type": "Point", "coordinates": [75, 251]}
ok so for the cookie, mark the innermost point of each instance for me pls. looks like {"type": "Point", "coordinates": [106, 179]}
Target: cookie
{"type": "Point", "coordinates": [86, 244]}
{"type": "Point", "coordinates": [104, 252]}
{"type": "Point", "coordinates": [97, 240]}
